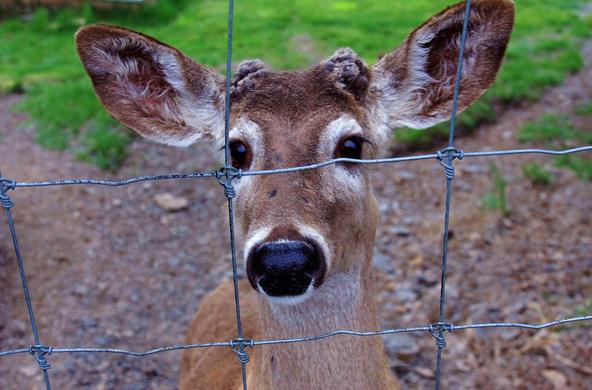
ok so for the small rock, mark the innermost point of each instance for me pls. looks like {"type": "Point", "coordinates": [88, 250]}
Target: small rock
{"type": "Point", "coordinates": [399, 231]}
{"type": "Point", "coordinates": [428, 279]}
{"type": "Point", "coordinates": [170, 202]}
{"type": "Point", "coordinates": [116, 202]}
{"type": "Point", "coordinates": [105, 341]}
{"type": "Point", "coordinates": [80, 290]}
{"type": "Point", "coordinates": [473, 169]}
{"type": "Point", "coordinates": [475, 236]}
{"type": "Point", "coordinates": [87, 323]}
{"type": "Point", "coordinates": [417, 261]}
{"type": "Point", "coordinates": [29, 371]}
{"type": "Point", "coordinates": [508, 334]}
{"type": "Point", "coordinates": [425, 372]}
{"type": "Point", "coordinates": [557, 378]}
{"type": "Point", "coordinates": [406, 295]}
{"type": "Point", "coordinates": [382, 261]}
{"type": "Point", "coordinates": [407, 175]}
{"type": "Point", "coordinates": [402, 346]}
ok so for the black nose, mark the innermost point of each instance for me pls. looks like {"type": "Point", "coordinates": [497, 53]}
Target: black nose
{"type": "Point", "coordinates": [285, 268]}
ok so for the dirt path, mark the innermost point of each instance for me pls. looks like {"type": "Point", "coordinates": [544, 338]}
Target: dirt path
{"type": "Point", "coordinates": [97, 279]}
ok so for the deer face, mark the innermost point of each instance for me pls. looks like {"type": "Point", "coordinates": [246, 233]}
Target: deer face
{"type": "Point", "coordinates": [300, 229]}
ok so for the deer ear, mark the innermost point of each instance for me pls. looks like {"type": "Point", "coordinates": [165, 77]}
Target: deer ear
{"type": "Point", "coordinates": [414, 83]}
{"type": "Point", "coordinates": [151, 87]}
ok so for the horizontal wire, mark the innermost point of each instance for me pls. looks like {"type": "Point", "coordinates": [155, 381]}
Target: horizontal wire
{"type": "Point", "coordinates": [232, 343]}
{"type": "Point", "coordinates": [116, 183]}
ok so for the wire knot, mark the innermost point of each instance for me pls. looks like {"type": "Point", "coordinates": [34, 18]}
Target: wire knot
{"type": "Point", "coordinates": [437, 331]}
{"type": "Point", "coordinates": [238, 346]}
{"type": "Point", "coordinates": [5, 186]}
{"type": "Point", "coordinates": [38, 352]}
{"type": "Point", "coordinates": [445, 158]}
{"type": "Point", "coordinates": [226, 176]}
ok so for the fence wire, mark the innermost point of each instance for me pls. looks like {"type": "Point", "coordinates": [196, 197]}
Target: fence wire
{"type": "Point", "coordinates": [226, 177]}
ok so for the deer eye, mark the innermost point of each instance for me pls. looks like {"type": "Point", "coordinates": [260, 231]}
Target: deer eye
{"type": "Point", "coordinates": [240, 154]}
{"type": "Point", "coordinates": [350, 147]}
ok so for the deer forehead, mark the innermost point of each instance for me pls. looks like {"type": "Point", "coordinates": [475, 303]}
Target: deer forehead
{"type": "Point", "coordinates": [332, 185]}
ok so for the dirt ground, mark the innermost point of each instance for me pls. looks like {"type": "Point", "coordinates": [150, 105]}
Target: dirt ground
{"type": "Point", "coordinates": [108, 267]}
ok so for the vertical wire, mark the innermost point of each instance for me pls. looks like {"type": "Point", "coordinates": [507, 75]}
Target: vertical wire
{"type": "Point", "coordinates": [449, 158]}
{"type": "Point", "coordinates": [228, 76]}
{"type": "Point", "coordinates": [25, 284]}
{"type": "Point", "coordinates": [229, 178]}
{"type": "Point", "coordinates": [459, 67]}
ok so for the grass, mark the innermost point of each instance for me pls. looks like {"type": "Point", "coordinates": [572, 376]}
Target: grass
{"type": "Point", "coordinates": [37, 54]}
{"type": "Point", "coordinates": [557, 131]}
{"type": "Point", "coordinates": [497, 197]}
{"type": "Point", "coordinates": [585, 109]}
{"type": "Point", "coordinates": [537, 174]}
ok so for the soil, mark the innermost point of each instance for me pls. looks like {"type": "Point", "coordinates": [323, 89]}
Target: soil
{"type": "Point", "coordinates": [108, 267]}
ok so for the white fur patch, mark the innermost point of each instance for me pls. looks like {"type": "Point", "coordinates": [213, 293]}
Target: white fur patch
{"type": "Point", "coordinates": [398, 105]}
{"type": "Point", "coordinates": [314, 234]}
{"type": "Point", "coordinates": [339, 294]}
{"type": "Point", "coordinates": [257, 237]}
{"type": "Point", "coordinates": [248, 131]}
{"type": "Point", "coordinates": [343, 180]}
{"type": "Point", "coordinates": [198, 113]}
{"type": "Point", "coordinates": [288, 300]}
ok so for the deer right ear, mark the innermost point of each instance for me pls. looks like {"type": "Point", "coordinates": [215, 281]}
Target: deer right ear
{"type": "Point", "coordinates": [414, 83]}
{"type": "Point", "coordinates": [151, 87]}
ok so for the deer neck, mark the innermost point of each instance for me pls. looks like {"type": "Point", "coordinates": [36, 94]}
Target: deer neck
{"type": "Point", "coordinates": [344, 301]}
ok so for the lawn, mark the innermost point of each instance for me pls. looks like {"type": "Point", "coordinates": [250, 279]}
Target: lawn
{"type": "Point", "coordinates": [553, 130]}
{"type": "Point", "coordinates": [37, 55]}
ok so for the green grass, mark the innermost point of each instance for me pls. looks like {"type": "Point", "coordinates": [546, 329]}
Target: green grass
{"type": "Point", "coordinates": [497, 197]}
{"type": "Point", "coordinates": [553, 129]}
{"type": "Point", "coordinates": [37, 56]}
{"type": "Point", "coordinates": [537, 174]}
{"type": "Point", "coordinates": [585, 109]}
{"type": "Point", "coordinates": [557, 131]}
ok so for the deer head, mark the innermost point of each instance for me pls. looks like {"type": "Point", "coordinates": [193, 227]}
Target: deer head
{"type": "Point", "coordinates": [301, 230]}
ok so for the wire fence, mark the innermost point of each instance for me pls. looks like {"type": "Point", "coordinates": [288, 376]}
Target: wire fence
{"type": "Point", "coordinates": [226, 177]}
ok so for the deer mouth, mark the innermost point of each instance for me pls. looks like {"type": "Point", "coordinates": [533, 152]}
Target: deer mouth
{"type": "Point", "coordinates": [286, 268]}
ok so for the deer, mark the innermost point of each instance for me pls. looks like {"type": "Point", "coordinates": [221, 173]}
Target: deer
{"type": "Point", "coordinates": [307, 239]}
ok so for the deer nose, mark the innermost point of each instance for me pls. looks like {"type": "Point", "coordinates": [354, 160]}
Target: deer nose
{"type": "Point", "coordinates": [285, 268]}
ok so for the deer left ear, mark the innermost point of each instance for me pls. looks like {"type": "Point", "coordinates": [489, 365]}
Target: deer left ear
{"type": "Point", "coordinates": [151, 87]}
{"type": "Point", "coordinates": [413, 85]}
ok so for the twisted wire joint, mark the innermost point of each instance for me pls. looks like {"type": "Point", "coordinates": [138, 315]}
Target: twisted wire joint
{"type": "Point", "coordinates": [437, 331]}
{"type": "Point", "coordinates": [445, 158]}
{"type": "Point", "coordinates": [38, 352]}
{"type": "Point", "coordinates": [238, 346]}
{"type": "Point", "coordinates": [226, 176]}
{"type": "Point", "coordinates": [5, 186]}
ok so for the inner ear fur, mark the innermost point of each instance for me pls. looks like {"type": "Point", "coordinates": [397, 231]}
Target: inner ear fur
{"type": "Point", "coordinates": [414, 83]}
{"type": "Point", "coordinates": [151, 87]}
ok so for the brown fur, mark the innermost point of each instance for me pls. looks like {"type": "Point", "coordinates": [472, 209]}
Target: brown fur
{"type": "Point", "coordinates": [287, 120]}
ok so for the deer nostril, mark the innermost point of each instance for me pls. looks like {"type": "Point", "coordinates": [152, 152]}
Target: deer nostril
{"type": "Point", "coordinates": [285, 268]}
